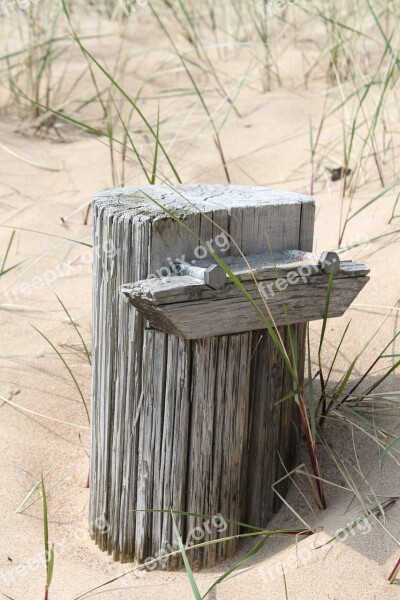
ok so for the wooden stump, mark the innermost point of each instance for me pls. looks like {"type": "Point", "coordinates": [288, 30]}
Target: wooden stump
{"type": "Point", "coordinates": [187, 425]}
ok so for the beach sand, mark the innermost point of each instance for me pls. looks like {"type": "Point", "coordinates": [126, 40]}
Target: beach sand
{"type": "Point", "coordinates": [267, 145]}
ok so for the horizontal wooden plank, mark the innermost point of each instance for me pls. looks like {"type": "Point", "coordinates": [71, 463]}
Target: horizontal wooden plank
{"type": "Point", "coordinates": [185, 307]}
{"type": "Point", "coordinates": [167, 290]}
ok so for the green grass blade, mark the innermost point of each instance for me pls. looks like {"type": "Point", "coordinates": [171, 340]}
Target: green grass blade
{"type": "Point", "coordinates": [322, 404]}
{"type": "Point", "coordinates": [3, 264]}
{"type": "Point", "coordinates": [32, 491]}
{"type": "Point", "coordinates": [50, 567]}
{"type": "Point", "coordinates": [184, 513]}
{"type": "Point", "coordinates": [353, 524]}
{"type": "Point", "coordinates": [343, 382]}
{"type": "Point", "coordinates": [326, 311]}
{"type": "Point", "coordinates": [48, 491]}
{"type": "Point", "coordinates": [60, 237]}
{"type": "Point", "coordinates": [49, 551]}
{"type": "Point", "coordinates": [3, 269]}
{"type": "Point", "coordinates": [124, 94]}
{"type": "Point", "coordinates": [295, 392]}
{"type": "Point", "coordinates": [252, 552]}
{"type": "Point", "coordinates": [372, 365]}
{"type": "Point", "coordinates": [197, 90]}
{"type": "Point", "coordinates": [60, 356]}
{"type": "Point", "coordinates": [293, 341]}
{"type": "Point", "coordinates": [54, 40]}
{"type": "Point", "coordinates": [382, 32]}
{"type": "Point", "coordinates": [311, 399]}
{"type": "Point", "coordinates": [336, 23]}
{"type": "Point", "coordinates": [155, 160]}
{"type": "Point", "coordinates": [285, 584]}
{"type": "Point", "coordinates": [189, 571]}
{"type": "Point", "coordinates": [337, 352]}
{"type": "Point", "coordinates": [45, 522]}
{"type": "Point", "coordinates": [76, 329]}
{"type": "Point", "coordinates": [36, 414]}
{"type": "Point", "coordinates": [133, 145]}
{"type": "Point", "coordinates": [11, 268]}
{"type": "Point", "coordinates": [374, 199]}
{"type": "Point", "coordinates": [373, 465]}
{"type": "Point", "coordinates": [98, 133]}
{"type": "Point", "coordinates": [382, 379]}
{"type": "Point", "coordinates": [293, 532]}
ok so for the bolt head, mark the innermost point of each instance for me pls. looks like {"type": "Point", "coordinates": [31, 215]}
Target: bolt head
{"type": "Point", "coordinates": [215, 277]}
{"type": "Point", "coordinates": [329, 262]}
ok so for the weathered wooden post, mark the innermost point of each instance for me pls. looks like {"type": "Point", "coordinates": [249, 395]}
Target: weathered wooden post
{"type": "Point", "coordinates": [185, 375]}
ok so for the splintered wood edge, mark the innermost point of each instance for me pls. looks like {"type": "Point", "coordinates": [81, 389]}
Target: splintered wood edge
{"type": "Point", "coordinates": [300, 303]}
{"type": "Point", "coordinates": [188, 309]}
{"type": "Point", "coordinates": [168, 290]}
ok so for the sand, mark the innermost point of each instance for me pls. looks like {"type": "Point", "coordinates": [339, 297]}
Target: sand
{"type": "Point", "coordinates": [267, 145]}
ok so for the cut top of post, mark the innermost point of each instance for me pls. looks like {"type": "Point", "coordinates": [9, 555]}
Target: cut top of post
{"type": "Point", "coordinates": [192, 198]}
{"type": "Point", "coordinates": [256, 219]}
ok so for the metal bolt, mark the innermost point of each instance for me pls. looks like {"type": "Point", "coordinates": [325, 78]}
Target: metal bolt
{"type": "Point", "coordinates": [329, 261]}
{"type": "Point", "coordinates": [213, 276]}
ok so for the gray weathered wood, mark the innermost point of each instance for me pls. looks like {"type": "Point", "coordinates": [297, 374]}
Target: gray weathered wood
{"type": "Point", "coordinates": [167, 290]}
{"type": "Point", "coordinates": [185, 307]}
{"type": "Point", "coordinates": [177, 424]}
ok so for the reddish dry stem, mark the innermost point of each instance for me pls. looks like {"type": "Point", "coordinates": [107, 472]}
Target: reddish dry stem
{"type": "Point", "coordinates": [313, 455]}
{"type": "Point", "coordinates": [395, 572]}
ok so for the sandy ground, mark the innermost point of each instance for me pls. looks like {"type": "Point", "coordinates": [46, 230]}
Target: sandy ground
{"type": "Point", "coordinates": [268, 145]}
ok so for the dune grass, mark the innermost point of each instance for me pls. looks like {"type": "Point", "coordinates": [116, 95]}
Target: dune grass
{"type": "Point", "coordinates": [49, 554]}
{"type": "Point", "coordinates": [48, 548]}
{"type": "Point", "coordinates": [181, 550]}
{"type": "Point", "coordinates": [69, 370]}
{"type": "Point", "coordinates": [4, 268]}
{"type": "Point", "coordinates": [359, 67]}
